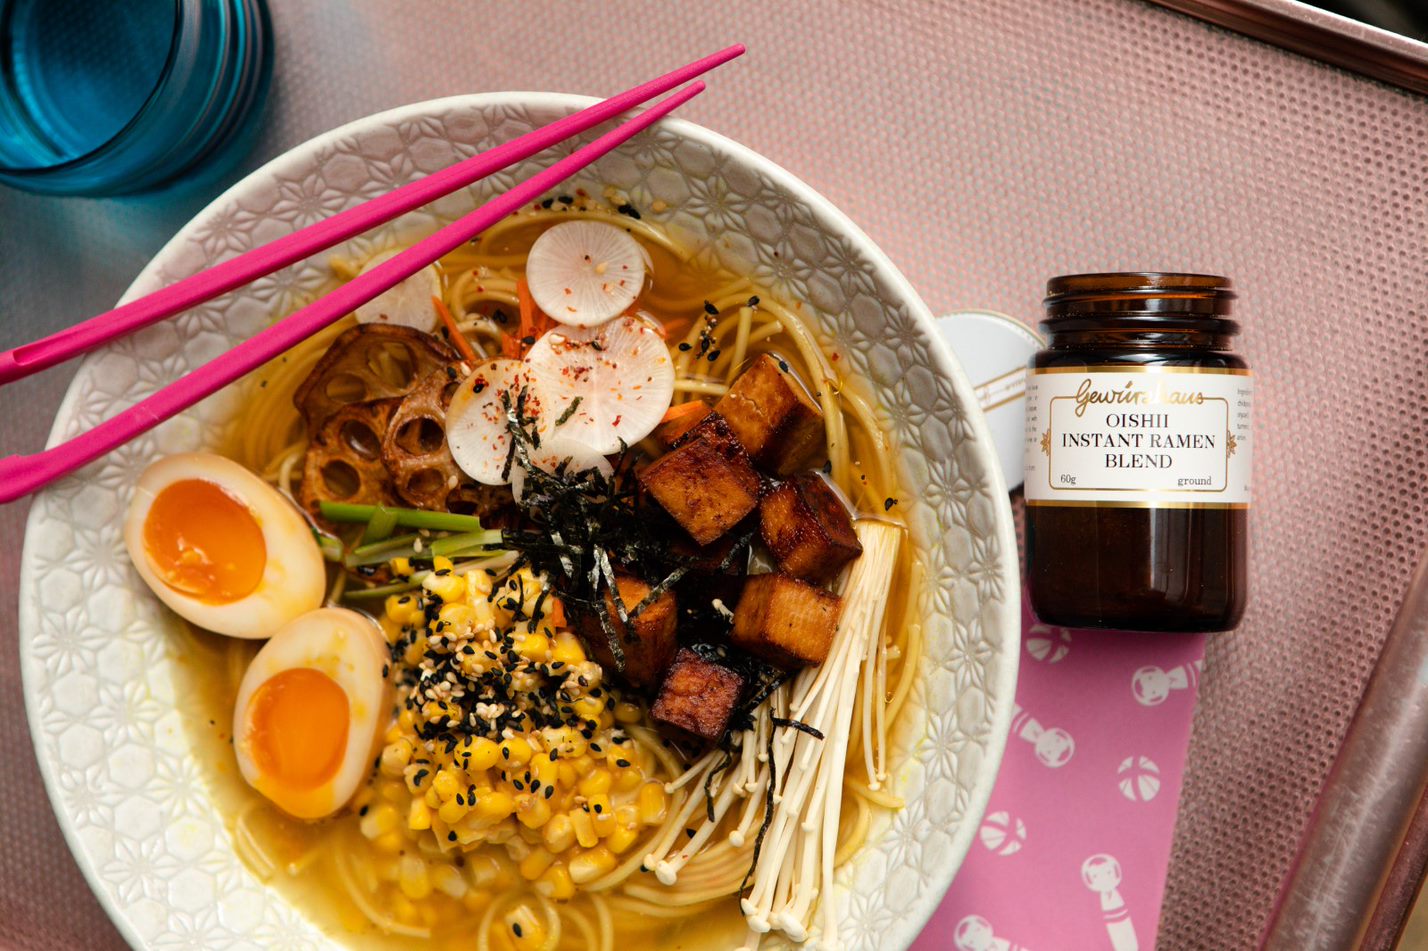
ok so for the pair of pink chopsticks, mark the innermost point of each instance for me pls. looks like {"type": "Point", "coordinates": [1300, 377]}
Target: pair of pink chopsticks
{"type": "Point", "coordinates": [21, 475]}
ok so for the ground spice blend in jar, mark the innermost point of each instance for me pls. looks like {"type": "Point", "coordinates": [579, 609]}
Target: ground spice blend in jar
{"type": "Point", "coordinates": [1138, 455]}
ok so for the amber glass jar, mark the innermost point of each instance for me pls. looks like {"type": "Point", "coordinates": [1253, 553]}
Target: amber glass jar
{"type": "Point", "coordinates": [1138, 455]}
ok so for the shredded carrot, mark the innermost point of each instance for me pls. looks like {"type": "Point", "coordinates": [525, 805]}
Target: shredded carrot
{"type": "Point", "coordinates": [511, 347]}
{"type": "Point", "coordinates": [556, 614]}
{"type": "Point", "coordinates": [534, 323]}
{"type": "Point", "coordinates": [458, 339]}
{"type": "Point", "coordinates": [683, 409]}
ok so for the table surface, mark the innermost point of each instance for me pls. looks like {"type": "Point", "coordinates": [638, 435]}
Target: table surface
{"type": "Point", "coordinates": [986, 145]}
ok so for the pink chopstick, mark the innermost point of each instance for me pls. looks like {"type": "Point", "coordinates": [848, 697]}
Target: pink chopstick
{"type": "Point", "coordinates": [251, 265]}
{"type": "Point", "coordinates": [21, 475]}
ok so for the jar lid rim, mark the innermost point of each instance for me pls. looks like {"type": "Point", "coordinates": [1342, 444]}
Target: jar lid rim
{"type": "Point", "coordinates": [1138, 284]}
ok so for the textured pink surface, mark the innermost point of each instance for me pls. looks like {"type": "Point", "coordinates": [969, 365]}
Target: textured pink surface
{"type": "Point", "coordinates": [985, 145]}
{"type": "Point", "coordinates": [1086, 796]}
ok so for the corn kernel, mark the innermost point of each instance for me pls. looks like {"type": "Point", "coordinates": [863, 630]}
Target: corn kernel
{"type": "Point", "coordinates": [626, 712]}
{"type": "Point", "coordinates": [446, 784]}
{"type": "Point", "coordinates": [565, 774]}
{"type": "Point", "coordinates": [482, 870]}
{"type": "Point", "coordinates": [475, 900]}
{"type": "Point", "coordinates": [419, 815]}
{"type": "Point", "coordinates": [401, 567]}
{"type": "Point", "coordinates": [395, 757]}
{"type": "Point", "coordinates": [628, 779]}
{"type": "Point", "coordinates": [567, 650]}
{"type": "Point", "coordinates": [446, 587]}
{"type": "Point", "coordinates": [534, 864]}
{"type": "Point", "coordinates": [597, 782]}
{"type": "Point", "coordinates": [404, 909]}
{"type": "Point", "coordinates": [484, 754]}
{"type": "Point", "coordinates": [588, 708]}
{"type": "Point", "coordinates": [382, 819]}
{"type": "Point", "coordinates": [452, 811]}
{"type": "Point", "coordinates": [407, 721]}
{"type": "Point", "coordinates": [559, 833]}
{"type": "Point", "coordinates": [582, 765]}
{"type": "Point", "coordinates": [602, 814]}
{"type": "Point", "coordinates": [568, 741]}
{"type": "Point", "coordinates": [516, 751]}
{"type": "Point", "coordinates": [493, 806]}
{"type": "Point", "coordinates": [584, 828]}
{"type": "Point", "coordinates": [401, 609]}
{"type": "Point", "coordinates": [456, 617]}
{"type": "Point", "coordinates": [432, 799]}
{"type": "Point", "coordinates": [446, 879]}
{"type": "Point", "coordinates": [414, 879]}
{"type": "Point", "coordinates": [621, 838]}
{"type": "Point", "coordinates": [555, 883]}
{"type": "Point", "coordinates": [591, 864]}
{"type": "Point", "coordinates": [532, 810]}
{"type": "Point", "coordinates": [390, 842]}
{"type": "Point", "coordinates": [442, 563]}
{"type": "Point", "coordinates": [533, 647]}
{"type": "Point", "coordinates": [478, 584]}
{"type": "Point", "coordinates": [651, 802]}
{"type": "Point", "coordinates": [544, 770]}
{"type": "Point", "coordinates": [526, 927]}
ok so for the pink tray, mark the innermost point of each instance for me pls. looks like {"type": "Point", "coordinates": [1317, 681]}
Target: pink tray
{"type": "Point", "coordinates": [986, 145]}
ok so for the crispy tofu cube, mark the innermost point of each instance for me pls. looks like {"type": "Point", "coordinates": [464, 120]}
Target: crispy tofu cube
{"type": "Point", "coordinates": [779, 424]}
{"type": "Point", "coordinates": [648, 642]}
{"type": "Point", "coordinates": [671, 431]}
{"type": "Point", "coordinates": [707, 483]}
{"type": "Point", "coordinates": [786, 621]}
{"type": "Point", "coordinates": [698, 696]}
{"type": "Point", "coordinates": [808, 529]}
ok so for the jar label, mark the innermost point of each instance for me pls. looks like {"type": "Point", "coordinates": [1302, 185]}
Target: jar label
{"type": "Point", "coordinates": [1144, 437]}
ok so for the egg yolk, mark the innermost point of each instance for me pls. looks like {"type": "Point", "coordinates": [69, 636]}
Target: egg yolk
{"type": "Point", "coordinates": [297, 728]}
{"type": "Point", "coordinates": [204, 542]}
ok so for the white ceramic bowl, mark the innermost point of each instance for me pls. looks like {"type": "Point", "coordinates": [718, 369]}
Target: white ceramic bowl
{"type": "Point", "coordinates": [98, 652]}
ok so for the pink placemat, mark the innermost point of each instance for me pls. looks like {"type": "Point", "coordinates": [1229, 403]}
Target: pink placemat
{"type": "Point", "coordinates": [985, 145]}
{"type": "Point", "coordinates": [1075, 845]}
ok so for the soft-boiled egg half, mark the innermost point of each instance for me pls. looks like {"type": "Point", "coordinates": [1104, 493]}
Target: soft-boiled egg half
{"type": "Point", "coordinates": [310, 709]}
{"type": "Point", "coordinates": [221, 547]}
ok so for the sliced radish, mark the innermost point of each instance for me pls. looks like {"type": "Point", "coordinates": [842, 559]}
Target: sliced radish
{"type": "Point", "coordinates": [407, 304]}
{"type": "Point", "coordinates": [476, 429]}
{"type": "Point", "coordinates": [583, 273]}
{"type": "Point", "coordinates": [620, 373]}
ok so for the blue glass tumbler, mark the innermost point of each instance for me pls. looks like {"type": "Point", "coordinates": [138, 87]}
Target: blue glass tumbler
{"type": "Point", "coordinates": [103, 97]}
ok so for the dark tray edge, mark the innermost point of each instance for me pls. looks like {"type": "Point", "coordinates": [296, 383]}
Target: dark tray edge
{"type": "Point", "coordinates": [1318, 34]}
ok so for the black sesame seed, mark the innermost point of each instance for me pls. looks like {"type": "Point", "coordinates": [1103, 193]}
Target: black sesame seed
{"type": "Point", "coordinates": [364, 810]}
{"type": "Point", "coordinates": [451, 836]}
{"type": "Point", "coordinates": [888, 503]}
{"type": "Point", "coordinates": [686, 347]}
{"type": "Point", "coordinates": [622, 763]}
{"type": "Point", "coordinates": [516, 927]}
{"type": "Point", "coordinates": [710, 309]}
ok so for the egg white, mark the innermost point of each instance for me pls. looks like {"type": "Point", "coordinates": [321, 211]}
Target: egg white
{"type": "Point", "coordinates": [294, 579]}
{"type": "Point", "coordinates": [349, 648]}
